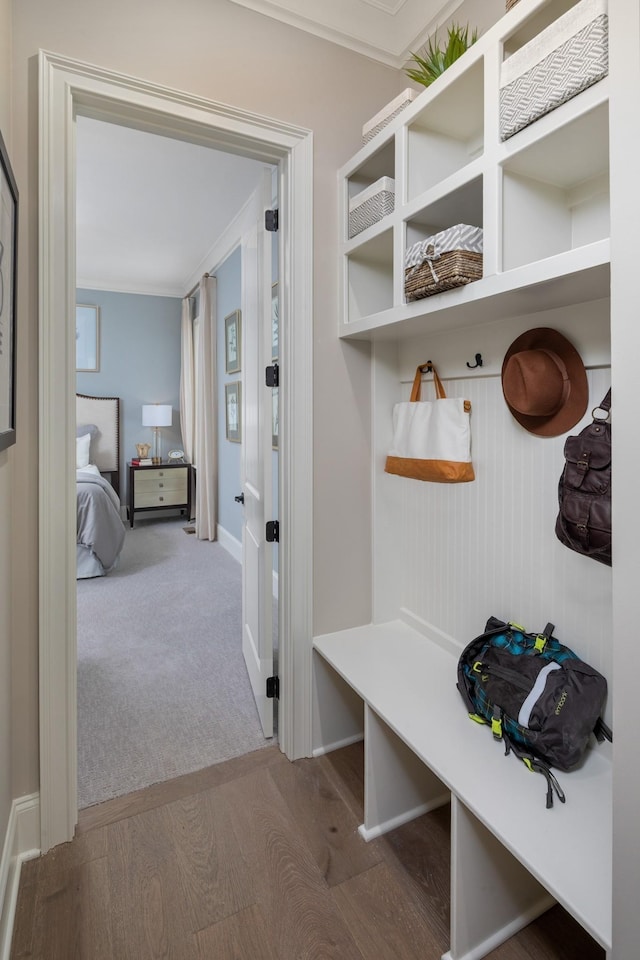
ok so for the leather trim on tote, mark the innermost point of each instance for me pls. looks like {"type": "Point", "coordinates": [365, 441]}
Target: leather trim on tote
{"type": "Point", "coordinates": [436, 471]}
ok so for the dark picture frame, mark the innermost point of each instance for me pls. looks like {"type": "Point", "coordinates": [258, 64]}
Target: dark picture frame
{"type": "Point", "coordinates": [232, 342]}
{"type": "Point", "coordinates": [233, 410]}
{"type": "Point", "coordinates": [8, 284]}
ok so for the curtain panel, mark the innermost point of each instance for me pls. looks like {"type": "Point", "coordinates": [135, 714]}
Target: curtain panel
{"type": "Point", "coordinates": [187, 385]}
{"type": "Point", "coordinates": [206, 420]}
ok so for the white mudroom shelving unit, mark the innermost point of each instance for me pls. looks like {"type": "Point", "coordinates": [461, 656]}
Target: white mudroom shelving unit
{"type": "Point", "coordinates": [541, 197]}
{"type": "Point", "coordinates": [447, 557]}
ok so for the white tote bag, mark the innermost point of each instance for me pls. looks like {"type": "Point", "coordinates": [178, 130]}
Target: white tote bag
{"type": "Point", "coordinates": [431, 438]}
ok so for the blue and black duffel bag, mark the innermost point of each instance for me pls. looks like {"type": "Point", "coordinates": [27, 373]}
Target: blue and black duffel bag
{"type": "Point", "coordinates": [539, 698]}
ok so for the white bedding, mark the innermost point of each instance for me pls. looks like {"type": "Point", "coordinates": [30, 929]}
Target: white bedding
{"type": "Point", "coordinates": [90, 468]}
{"type": "Point", "coordinates": [100, 531]}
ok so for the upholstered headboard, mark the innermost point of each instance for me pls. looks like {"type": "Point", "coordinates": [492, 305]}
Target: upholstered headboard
{"type": "Point", "coordinates": [104, 412]}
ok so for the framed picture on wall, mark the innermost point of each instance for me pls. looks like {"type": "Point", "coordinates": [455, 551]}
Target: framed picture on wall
{"type": "Point", "coordinates": [87, 338]}
{"type": "Point", "coordinates": [233, 400]}
{"type": "Point", "coordinates": [8, 277]}
{"type": "Point", "coordinates": [232, 334]}
{"type": "Point", "coordinates": [275, 430]}
{"type": "Point", "coordinates": [275, 321]}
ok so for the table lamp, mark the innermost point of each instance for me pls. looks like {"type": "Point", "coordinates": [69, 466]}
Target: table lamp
{"type": "Point", "coordinates": [156, 415]}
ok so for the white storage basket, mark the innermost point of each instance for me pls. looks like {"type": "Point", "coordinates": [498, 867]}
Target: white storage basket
{"type": "Point", "coordinates": [562, 61]}
{"type": "Point", "coordinates": [386, 115]}
{"type": "Point", "coordinates": [371, 205]}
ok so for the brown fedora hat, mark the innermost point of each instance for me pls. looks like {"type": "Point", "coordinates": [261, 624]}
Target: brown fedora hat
{"type": "Point", "coordinates": [544, 382]}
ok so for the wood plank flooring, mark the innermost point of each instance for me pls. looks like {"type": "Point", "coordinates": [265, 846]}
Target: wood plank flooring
{"type": "Point", "coordinates": [255, 859]}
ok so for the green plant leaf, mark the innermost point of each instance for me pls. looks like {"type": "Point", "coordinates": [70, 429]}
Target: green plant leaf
{"type": "Point", "coordinates": [427, 65]}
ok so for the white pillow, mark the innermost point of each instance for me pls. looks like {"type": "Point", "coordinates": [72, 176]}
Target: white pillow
{"type": "Point", "coordinates": [82, 451]}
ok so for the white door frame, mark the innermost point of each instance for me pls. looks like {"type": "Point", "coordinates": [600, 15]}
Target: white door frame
{"type": "Point", "coordinates": [67, 88]}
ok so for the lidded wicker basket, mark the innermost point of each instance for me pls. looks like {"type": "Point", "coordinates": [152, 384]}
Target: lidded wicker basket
{"type": "Point", "coordinates": [448, 259]}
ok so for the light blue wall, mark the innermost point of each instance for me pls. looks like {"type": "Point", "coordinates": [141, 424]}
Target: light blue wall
{"type": "Point", "coordinates": [139, 362]}
{"type": "Point", "coordinates": [229, 289]}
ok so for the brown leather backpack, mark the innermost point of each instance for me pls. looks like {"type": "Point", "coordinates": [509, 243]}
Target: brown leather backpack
{"type": "Point", "coordinates": [584, 491]}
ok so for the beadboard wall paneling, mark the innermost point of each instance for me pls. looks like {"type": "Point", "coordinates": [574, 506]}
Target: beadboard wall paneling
{"type": "Point", "coordinates": [464, 552]}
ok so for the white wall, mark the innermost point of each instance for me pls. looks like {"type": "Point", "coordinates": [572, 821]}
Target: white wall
{"type": "Point", "coordinates": [6, 464]}
{"type": "Point", "coordinates": [456, 554]}
{"type": "Point", "coordinates": [204, 48]}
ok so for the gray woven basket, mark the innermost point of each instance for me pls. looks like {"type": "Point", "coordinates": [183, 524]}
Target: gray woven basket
{"type": "Point", "coordinates": [565, 71]}
{"type": "Point", "coordinates": [370, 206]}
{"type": "Point", "coordinates": [387, 114]}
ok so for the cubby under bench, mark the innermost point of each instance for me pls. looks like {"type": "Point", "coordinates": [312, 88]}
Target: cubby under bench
{"type": "Point", "coordinates": [511, 857]}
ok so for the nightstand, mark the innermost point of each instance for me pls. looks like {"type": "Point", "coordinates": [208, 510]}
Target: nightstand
{"type": "Point", "coordinates": [164, 486]}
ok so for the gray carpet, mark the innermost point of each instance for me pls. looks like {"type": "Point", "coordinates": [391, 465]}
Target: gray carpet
{"type": "Point", "coordinates": [162, 684]}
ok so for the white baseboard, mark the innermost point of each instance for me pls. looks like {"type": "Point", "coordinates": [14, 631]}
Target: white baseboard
{"type": "Point", "coordinates": [21, 843]}
{"type": "Point", "coordinates": [505, 932]}
{"type": "Point", "coordinates": [371, 833]}
{"type": "Point", "coordinates": [338, 745]}
{"type": "Point", "coordinates": [233, 546]}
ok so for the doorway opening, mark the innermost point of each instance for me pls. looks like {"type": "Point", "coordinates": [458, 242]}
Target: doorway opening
{"type": "Point", "coordinates": [162, 685]}
{"type": "Point", "coordinates": [69, 88]}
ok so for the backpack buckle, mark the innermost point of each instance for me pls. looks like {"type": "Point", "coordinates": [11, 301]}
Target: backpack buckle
{"type": "Point", "coordinates": [496, 726]}
{"type": "Point", "coordinates": [477, 718]}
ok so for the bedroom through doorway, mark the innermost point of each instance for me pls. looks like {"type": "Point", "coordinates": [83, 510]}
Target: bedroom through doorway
{"type": "Point", "coordinates": [163, 687]}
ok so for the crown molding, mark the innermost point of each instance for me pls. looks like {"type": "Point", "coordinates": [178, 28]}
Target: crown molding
{"type": "Point", "coordinates": [143, 289]}
{"type": "Point", "coordinates": [384, 30]}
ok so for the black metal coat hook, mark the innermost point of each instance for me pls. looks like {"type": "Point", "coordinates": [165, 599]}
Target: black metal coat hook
{"type": "Point", "coordinates": [478, 363]}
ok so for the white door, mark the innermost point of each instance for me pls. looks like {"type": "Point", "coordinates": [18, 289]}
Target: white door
{"type": "Point", "coordinates": [257, 554]}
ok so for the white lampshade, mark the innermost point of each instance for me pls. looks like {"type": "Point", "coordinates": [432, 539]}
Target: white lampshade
{"type": "Point", "coordinates": [156, 415]}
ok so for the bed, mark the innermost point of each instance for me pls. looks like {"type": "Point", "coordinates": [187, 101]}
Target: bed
{"type": "Point", "coordinates": [100, 530]}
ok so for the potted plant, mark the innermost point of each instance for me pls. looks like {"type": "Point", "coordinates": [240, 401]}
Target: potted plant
{"type": "Point", "coordinates": [434, 59]}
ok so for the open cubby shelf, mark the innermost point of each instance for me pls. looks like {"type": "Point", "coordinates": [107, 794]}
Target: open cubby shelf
{"type": "Point", "coordinates": [542, 193]}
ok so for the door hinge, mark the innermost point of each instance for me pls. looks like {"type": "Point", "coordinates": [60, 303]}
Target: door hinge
{"type": "Point", "coordinates": [273, 688]}
{"type": "Point", "coordinates": [272, 534]}
{"type": "Point", "coordinates": [272, 375]}
{"type": "Point", "coordinates": [271, 220]}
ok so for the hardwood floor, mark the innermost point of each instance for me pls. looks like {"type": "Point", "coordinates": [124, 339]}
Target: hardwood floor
{"type": "Point", "coordinates": [255, 859]}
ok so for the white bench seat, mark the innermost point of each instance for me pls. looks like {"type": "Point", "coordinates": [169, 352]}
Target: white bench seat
{"type": "Point", "coordinates": [408, 682]}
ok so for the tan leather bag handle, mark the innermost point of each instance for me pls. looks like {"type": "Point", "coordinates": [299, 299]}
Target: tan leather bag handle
{"type": "Point", "coordinates": [428, 367]}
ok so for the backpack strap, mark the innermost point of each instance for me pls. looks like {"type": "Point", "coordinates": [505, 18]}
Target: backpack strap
{"type": "Point", "coordinates": [552, 783]}
{"type": "Point", "coordinates": [602, 732]}
{"type": "Point", "coordinates": [606, 403]}
{"type": "Point", "coordinates": [542, 639]}
{"type": "Point", "coordinates": [535, 765]}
